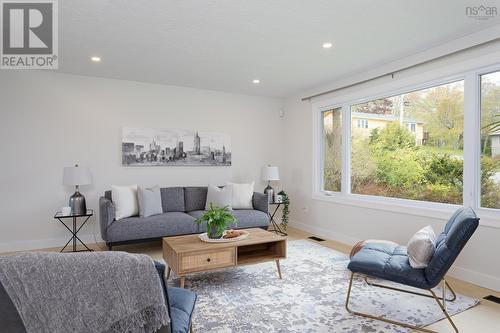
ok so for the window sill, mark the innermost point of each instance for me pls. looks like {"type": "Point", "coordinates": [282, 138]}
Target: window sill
{"type": "Point", "coordinates": [489, 217]}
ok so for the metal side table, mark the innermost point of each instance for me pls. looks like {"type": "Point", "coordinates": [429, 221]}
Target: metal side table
{"type": "Point", "coordinates": [74, 231]}
{"type": "Point", "coordinates": [276, 227]}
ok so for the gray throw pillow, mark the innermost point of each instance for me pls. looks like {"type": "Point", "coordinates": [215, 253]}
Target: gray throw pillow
{"type": "Point", "coordinates": [149, 201]}
{"type": "Point", "coordinates": [220, 197]}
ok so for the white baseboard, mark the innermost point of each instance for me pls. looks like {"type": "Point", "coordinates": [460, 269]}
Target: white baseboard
{"type": "Point", "coordinates": [44, 243]}
{"type": "Point", "coordinates": [464, 274]}
{"type": "Point", "coordinates": [477, 278]}
{"type": "Point", "coordinates": [320, 231]}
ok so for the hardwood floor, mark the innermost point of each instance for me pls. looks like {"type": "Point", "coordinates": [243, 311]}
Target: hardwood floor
{"type": "Point", "coordinates": [484, 318]}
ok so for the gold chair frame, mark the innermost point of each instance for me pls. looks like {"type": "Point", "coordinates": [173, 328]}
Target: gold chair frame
{"type": "Point", "coordinates": [441, 301]}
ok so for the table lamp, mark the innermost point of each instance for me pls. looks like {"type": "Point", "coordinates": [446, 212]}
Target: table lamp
{"type": "Point", "coordinates": [269, 173]}
{"type": "Point", "coordinates": [76, 176]}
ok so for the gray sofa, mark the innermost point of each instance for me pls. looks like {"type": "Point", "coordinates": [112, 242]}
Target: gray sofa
{"type": "Point", "coordinates": [181, 206]}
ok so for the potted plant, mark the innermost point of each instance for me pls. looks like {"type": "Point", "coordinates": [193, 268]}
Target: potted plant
{"type": "Point", "coordinates": [286, 212]}
{"type": "Point", "coordinates": [217, 219]}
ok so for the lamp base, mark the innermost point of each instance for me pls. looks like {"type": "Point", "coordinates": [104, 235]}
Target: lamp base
{"type": "Point", "coordinates": [268, 188]}
{"type": "Point", "coordinates": [77, 204]}
{"type": "Point", "coordinates": [270, 193]}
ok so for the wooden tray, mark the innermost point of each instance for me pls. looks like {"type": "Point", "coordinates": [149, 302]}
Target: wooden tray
{"type": "Point", "coordinates": [204, 237]}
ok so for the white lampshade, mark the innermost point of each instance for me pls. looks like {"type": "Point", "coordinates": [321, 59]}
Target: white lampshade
{"type": "Point", "coordinates": [76, 175]}
{"type": "Point", "coordinates": [269, 173]}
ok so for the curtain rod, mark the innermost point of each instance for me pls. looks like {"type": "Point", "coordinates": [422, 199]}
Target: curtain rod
{"type": "Point", "coordinates": [308, 98]}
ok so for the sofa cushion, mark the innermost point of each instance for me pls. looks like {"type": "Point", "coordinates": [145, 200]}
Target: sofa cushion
{"type": "Point", "coordinates": [197, 213]}
{"type": "Point", "coordinates": [10, 321]}
{"type": "Point", "coordinates": [172, 199]}
{"type": "Point", "coordinates": [157, 226]}
{"type": "Point", "coordinates": [246, 218]}
{"type": "Point", "coordinates": [195, 198]}
{"type": "Point", "coordinates": [389, 262]}
{"type": "Point", "coordinates": [249, 218]}
{"type": "Point", "coordinates": [202, 227]}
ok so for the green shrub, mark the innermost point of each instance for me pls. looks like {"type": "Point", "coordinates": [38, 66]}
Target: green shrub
{"type": "Point", "coordinates": [400, 169]}
{"type": "Point", "coordinates": [444, 169]}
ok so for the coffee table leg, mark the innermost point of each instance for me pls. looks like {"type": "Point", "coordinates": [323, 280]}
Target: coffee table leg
{"type": "Point", "coordinates": [279, 268]}
{"type": "Point", "coordinates": [182, 281]}
{"type": "Point", "coordinates": [168, 272]}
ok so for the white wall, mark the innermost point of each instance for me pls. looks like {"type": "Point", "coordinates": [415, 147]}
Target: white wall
{"type": "Point", "coordinates": [348, 223]}
{"type": "Point", "coordinates": [50, 120]}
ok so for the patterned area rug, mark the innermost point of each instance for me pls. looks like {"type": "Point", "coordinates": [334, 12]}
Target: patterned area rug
{"type": "Point", "coordinates": [310, 298]}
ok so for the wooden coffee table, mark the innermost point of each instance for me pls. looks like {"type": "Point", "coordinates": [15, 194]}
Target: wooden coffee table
{"type": "Point", "coordinates": [188, 254]}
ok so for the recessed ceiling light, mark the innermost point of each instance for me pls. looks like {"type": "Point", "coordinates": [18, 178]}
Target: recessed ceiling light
{"type": "Point", "coordinates": [255, 81]}
{"type": "Point", "coordinates": [95, 59]}
{"type": "Point", "coordinates": [327, 45]}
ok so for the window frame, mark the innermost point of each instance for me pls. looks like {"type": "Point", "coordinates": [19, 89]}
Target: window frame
{"type": "Point", "coordinates": [489, 212]}
{"type": "Point", "coordinates": [472, 131]}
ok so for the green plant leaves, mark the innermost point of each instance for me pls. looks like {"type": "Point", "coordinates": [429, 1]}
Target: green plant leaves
{"type": "Point", "coordinates": [217, 217]}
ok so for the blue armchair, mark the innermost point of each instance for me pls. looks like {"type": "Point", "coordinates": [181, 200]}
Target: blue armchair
{"type": "Point", "coordinates": [390, 262]}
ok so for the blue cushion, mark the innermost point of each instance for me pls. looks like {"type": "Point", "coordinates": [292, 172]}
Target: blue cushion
{"type": "Point", "coordinates": [182, 303]}
{"type": "Point", "coordinates": [450, 243]}
{"type": "Point", "coordinates": [389, 262]}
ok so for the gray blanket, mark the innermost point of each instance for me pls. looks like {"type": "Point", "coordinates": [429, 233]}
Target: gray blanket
{"type": "Point", "coordinates": [85, 292]}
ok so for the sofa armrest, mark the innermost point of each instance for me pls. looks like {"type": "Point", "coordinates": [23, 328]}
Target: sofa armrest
{"type": "Point", "coordinates": [106, 215]}
{"type": "Point", "coordinates": [259, 202]}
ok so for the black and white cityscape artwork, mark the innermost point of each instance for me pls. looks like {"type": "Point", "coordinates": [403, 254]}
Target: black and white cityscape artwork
{"type": "Point", "coordinates": [170, 147]}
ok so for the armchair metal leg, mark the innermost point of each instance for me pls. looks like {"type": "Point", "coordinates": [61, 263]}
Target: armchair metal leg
{"type": "Point", "coordinates": [443, 308]}
{"type": "Point", "coordinates": [453, 297]}
{"type": "Point", "coordinates": [381, 318]}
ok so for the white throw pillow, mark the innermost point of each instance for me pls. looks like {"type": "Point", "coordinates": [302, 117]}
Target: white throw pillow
{"type": "Point", "coordinates": [242, 195]}
{"type": "Point", "coordinates": [125, 200]}
{"type": "Point", "coordinates": [220, 197]}
{"type": "Point", "coordinates": [421, 247]}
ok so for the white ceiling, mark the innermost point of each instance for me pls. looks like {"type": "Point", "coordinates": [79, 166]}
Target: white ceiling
{"type": "Point", "coordinates": [224, 44]}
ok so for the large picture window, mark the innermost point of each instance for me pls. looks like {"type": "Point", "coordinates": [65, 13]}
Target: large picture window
{"type": "Point", "coordinates": [490, 140]}
{"type": "Point", "coordinates": [332, 148]}
{"type": "Point", "coordinates": [429, 146]}
{"type": "Point", "coordinates": [413, 148]}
